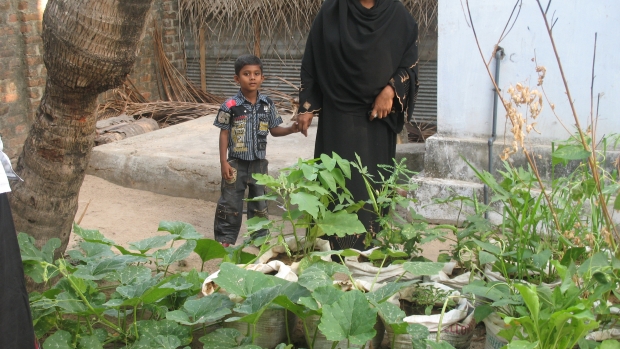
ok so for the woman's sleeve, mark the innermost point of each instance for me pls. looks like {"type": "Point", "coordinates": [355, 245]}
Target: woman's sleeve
{"type": "Point", "coordinates": [405, 80]}
{"type": "Point", "coordinates": [310, 95]}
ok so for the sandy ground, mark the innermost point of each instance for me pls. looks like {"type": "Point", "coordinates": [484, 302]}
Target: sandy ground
{"type": "Point", "coordinates": [127, 215]}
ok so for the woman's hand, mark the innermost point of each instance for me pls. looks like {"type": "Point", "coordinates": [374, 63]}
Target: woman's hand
{"type": "Point", "coordinates": [382, 106]}
{"type": "Point", "coordinates": [304, 120]}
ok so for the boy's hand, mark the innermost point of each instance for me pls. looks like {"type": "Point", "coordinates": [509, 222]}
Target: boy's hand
{"type": "Point", "coordinates": [295, 128]}
{"type": "Point", "coordinates": [227, 171]}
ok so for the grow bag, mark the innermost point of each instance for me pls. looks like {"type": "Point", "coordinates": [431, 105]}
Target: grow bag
{"type": "Point", "coordinates": [366, 271]}
{"type": "Point", "coordinates": [271, 328]}
{"type": "Point", "coordinates": [457, 325]}
{"type": "Point", "coordinates": [493, 324]}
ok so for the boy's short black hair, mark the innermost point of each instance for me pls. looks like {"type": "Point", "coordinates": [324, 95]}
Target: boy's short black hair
{"type": "Point", "coordinates": [244, 60]}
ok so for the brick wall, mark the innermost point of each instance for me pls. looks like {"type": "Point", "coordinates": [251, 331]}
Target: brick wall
{"type": "Point", "coordinates": [23, 74]}
{"type": "Point", "coordinates": [163, 14]}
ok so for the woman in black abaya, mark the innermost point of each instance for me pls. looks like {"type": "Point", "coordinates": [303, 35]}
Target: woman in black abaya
{"type": "Point", "coordinates": [359, 75]}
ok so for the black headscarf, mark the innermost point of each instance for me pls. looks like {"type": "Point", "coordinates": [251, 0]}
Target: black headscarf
{"type": "Point", "coordinates": [353, 52]}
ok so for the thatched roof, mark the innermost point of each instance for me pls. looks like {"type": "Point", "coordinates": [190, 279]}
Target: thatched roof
{"type": "Point", "coordinates": [281, 20]}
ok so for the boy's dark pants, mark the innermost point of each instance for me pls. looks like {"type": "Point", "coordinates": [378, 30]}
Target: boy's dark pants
{"type": "Point", "coordinates": [230, 205]}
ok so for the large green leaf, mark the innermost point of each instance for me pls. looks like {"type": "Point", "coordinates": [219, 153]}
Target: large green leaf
{"type": "Point", "coordinates": [207, 309]}
{"type": "Point", "coordinates": [340, 223]}
{"type": "Point", "coordinates": [172, 255]}
{"type": "Point", "coordinates": [350, 317]}
{"type": "Point", "coordinates": [151, 243]}
{"type": "Point", "coordinates": [569, 152]}
{"type": "Point", "coordinates": [258, 223]}
{"type": "Point", "coordinates": [306, 202]}
{"type": "Point", "coordinates": [328, 180]}
{"type": "Point", "coordinates": [344, 164]}
{"type": "Point", "coordinates": [91, 235]}
{"type": "Point", "coordinates": [326, 294]}
{"type": "Point", "coordinates": [59, 340]}
{"type": "Point", "coordinates": [95, 250]}
{"type": "Point", "coordinates": [383, 293]}
{"type": "Point", "coordinates": [222, 338]}
{"type": "Point", "coordinates": [423, 268]}
{"type": "Point", "coordinates": [257, 303]}
{"type": "Point", "coordinates": [209, 249]}
{"type": "Point", "coordinates": [151, 329]}
{"type": "Point", "coordinates": [181, 229]}
{"type": "Point", "coordinates": [90, 342]}
{"type": "Point", "coordinates": [243, 282]}
{"type": "Point", "coordinates": [99, 269]}
{"type": "Point", "coordinates": [132, 274]}
{"type": "Point", "coordinates": [313, 278]}
{"type": "Point", "coordinates": [328, 162]}
{"type": "Point", "coordinates": [486, 257]}
{"type": "Point", "coordinates": [391, 313]}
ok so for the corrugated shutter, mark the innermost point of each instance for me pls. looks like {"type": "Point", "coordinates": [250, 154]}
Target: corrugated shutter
{"type": "Point", "coordinates": [220, 75]}
{"type": "Point", "coordinates": [426, 106]}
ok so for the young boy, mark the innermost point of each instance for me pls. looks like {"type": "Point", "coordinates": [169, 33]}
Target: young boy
{"type": "Point", "coordinates": [244, 120]}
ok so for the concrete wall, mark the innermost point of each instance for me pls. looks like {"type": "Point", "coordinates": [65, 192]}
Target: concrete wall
{"type": "Point", "coordinates": [465, 91]}
{"type": "Point", "coordinates": [23, 74]}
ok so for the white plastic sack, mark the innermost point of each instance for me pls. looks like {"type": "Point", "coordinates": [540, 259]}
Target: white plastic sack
{"type": "Point", "coordinates": [282, 271]}
{"type": "Point", "coordinates": [319, 245]}
{"type": "Point", "coordinates": [460, 315]}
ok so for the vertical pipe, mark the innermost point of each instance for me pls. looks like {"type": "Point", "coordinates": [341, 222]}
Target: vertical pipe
{"type": "Point", "coordinates": [499, 54]}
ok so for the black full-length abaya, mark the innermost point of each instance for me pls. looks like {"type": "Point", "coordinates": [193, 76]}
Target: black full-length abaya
{"type": "Point", "coordinates": [351, 54]}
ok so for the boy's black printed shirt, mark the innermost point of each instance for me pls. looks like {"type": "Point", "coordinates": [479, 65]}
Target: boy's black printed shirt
{"type": "Point", "coordinates": [248, 125]}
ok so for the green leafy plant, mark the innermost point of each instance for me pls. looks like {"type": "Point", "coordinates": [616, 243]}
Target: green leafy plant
{"type": "Point", "coordinates": [107, 294]}
{"type": "Point", "coordinates": [399, 236]}
{"type": "Point", "coordinates": [315, 201]}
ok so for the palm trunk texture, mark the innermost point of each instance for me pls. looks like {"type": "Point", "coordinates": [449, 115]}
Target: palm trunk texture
{"type": "Point", "coordinates": [90, 46]}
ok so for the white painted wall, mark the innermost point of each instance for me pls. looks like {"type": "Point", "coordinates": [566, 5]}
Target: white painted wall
{"type": "Point", "coordinates": [465, 95]}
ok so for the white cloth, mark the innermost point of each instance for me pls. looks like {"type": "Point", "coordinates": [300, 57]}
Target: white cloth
{"type": "Point", "coordinates": [4, 181]}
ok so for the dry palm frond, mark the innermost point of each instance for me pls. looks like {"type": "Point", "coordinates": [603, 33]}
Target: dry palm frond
{"type": "Point", "coordinates": [418, 132]}
{"type": "Point", "coordinates": [164, 112]}
{"type": "Point", "coordinates": [176, 86]}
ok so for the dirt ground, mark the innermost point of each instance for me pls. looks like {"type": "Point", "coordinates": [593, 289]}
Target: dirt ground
{"type": "Point", "coordinates": [127, 215]}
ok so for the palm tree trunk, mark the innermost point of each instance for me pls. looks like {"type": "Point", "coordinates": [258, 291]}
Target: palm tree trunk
{"type": "Point", "coordinates": [90, 46]}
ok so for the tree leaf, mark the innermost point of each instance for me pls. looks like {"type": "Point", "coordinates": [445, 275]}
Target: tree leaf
{"type": "Point", "coordinates": [181, 229]}
{"type": "Point", "coordinates": [209, 249]}
{"type": "Point", "coordinates": [423, 268]}
{"type": "Point", "coordinates": [59, 340]}
{"type": "Point", "coordinates": [350, 317]}
{"type": "Point", "coordinates": [341, 224]}
{"type": "Point", "coordinates": [307, 203]}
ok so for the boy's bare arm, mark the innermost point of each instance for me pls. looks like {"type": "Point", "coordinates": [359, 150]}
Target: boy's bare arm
{"type": "Point", "coordinates": [279, 131]}
{"type": "Point", "coordinates": [227, 170]}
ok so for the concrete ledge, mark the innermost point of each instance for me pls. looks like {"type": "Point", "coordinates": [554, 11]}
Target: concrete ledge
{"type": "Point", "coordinates": [414, 153]}
{"type": "Point", "coordinates": [443, 158]}
{"type": "Point", "coordinates": [183, 160]}
{"type": "Point", "coordinates": [430, 189]}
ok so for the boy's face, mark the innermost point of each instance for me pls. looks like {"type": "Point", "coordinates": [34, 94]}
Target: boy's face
{"type": "Point", "coordinates": [250, 78]}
